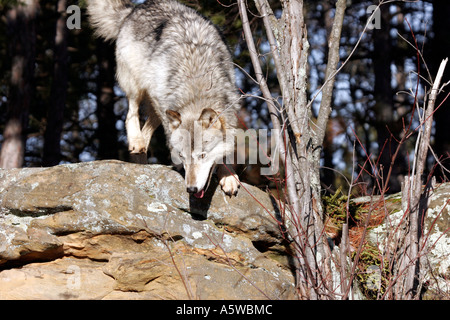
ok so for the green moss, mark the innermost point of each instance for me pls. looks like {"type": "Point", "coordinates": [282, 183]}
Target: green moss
{"type": "Point", "coordinates": [335, 209]}
{"type": "Point", "coordinates": [372, 272]}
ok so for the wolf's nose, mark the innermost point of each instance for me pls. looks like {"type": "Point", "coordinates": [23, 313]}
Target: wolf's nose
{"type": "Point", "coordinates": [192, 189]}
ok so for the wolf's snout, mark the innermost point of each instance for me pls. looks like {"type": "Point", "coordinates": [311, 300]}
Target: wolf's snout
{"type": "Point", "coordinates": [192, 189]}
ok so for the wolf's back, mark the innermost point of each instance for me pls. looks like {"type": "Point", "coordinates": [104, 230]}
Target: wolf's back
{"type": "Point", "coordinates": [106, 16]}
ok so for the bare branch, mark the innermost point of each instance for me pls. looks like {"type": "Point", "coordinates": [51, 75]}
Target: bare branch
{"type": "Point", "coordinates": [333, 60]}
{"type": "Point", "coordinates": [272, 29]}
{"type": "Point", "coordinates": [414, 191]}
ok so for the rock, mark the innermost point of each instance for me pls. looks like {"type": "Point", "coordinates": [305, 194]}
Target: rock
{"type": "Point", "coordinates": [65, 278]}
{"type": "Point", "coordinates": [435, 268]}
{"type": "Point", "coordinates": [115, 230]}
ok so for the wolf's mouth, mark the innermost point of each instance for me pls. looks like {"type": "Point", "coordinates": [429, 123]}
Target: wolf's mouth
{"type": "Point", "coordinates": [201, 193]}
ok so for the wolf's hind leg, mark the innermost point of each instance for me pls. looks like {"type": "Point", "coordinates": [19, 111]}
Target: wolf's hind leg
{"type": "Point", "coordinates": [228, 179]}
{"type": "Point", "coordinates": [151, 124]}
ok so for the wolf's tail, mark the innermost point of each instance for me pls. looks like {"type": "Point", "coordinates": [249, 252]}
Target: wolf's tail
{"type": "Point", "coordinates": [106, 16]}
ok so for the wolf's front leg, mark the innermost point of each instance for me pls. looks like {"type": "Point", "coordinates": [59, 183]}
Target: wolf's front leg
{"type": "Point", "coordinates": [136, 141]}
{"type": "Point", "coordinates": [228, 179]}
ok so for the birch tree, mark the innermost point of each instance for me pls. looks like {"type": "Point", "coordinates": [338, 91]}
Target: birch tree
{"type": "Point", "coordinates": [289, 44]}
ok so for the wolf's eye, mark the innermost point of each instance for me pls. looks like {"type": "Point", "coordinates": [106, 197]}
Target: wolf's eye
{"type": "Point", "coordinates": [202, 155]}
{"type": "Point", "coordinates": [180, 155]}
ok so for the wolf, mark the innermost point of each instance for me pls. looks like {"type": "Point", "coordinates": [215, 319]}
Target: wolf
{"type": "Point", "coordinates": [175, 68]}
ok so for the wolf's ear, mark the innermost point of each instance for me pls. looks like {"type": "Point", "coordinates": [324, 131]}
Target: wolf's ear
{"type": "Point", "coordinates": [174, 119]}
{"type": "Point", "coordinates": [209, 119]}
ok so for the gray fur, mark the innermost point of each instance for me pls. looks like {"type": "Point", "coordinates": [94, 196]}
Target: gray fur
{"type": "Point", "coordinates": [169, 59]}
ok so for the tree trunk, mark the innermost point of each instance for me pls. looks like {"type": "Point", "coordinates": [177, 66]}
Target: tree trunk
{"type": "Point", "coordinates": [441, 50]}
{"type": "Point", "coordinates": [106, 131]}
{"type": "Point", "coordinates": [55, 117]}
{"type": "Point", "coordinates": [290, 48]}
{"type": "Point", "coordinates": [384, 103]}
{"type": "Point", "coordinates": [21, 28]}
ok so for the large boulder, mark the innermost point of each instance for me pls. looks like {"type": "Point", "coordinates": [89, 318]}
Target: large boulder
{"type": "Point", "coordinates": [435, 239]}
{"type": "Point", "coordinates": [115, 230]}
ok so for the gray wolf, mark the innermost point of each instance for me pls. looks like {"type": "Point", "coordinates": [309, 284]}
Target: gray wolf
{"type": "Point", "coordinates": [175, 68]}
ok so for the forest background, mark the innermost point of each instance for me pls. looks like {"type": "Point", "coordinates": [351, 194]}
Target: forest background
{"type": "Point", "coordinates": [60, 103]}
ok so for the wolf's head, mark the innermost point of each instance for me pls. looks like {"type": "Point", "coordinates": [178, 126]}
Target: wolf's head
{"type": "Point", "coordinates": [198, 143]}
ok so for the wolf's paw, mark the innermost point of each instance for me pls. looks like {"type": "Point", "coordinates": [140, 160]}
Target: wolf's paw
{"type": "Point", "coordinates": [230, 184]}
{"type": "Point", "coordinates": [137, 145]}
